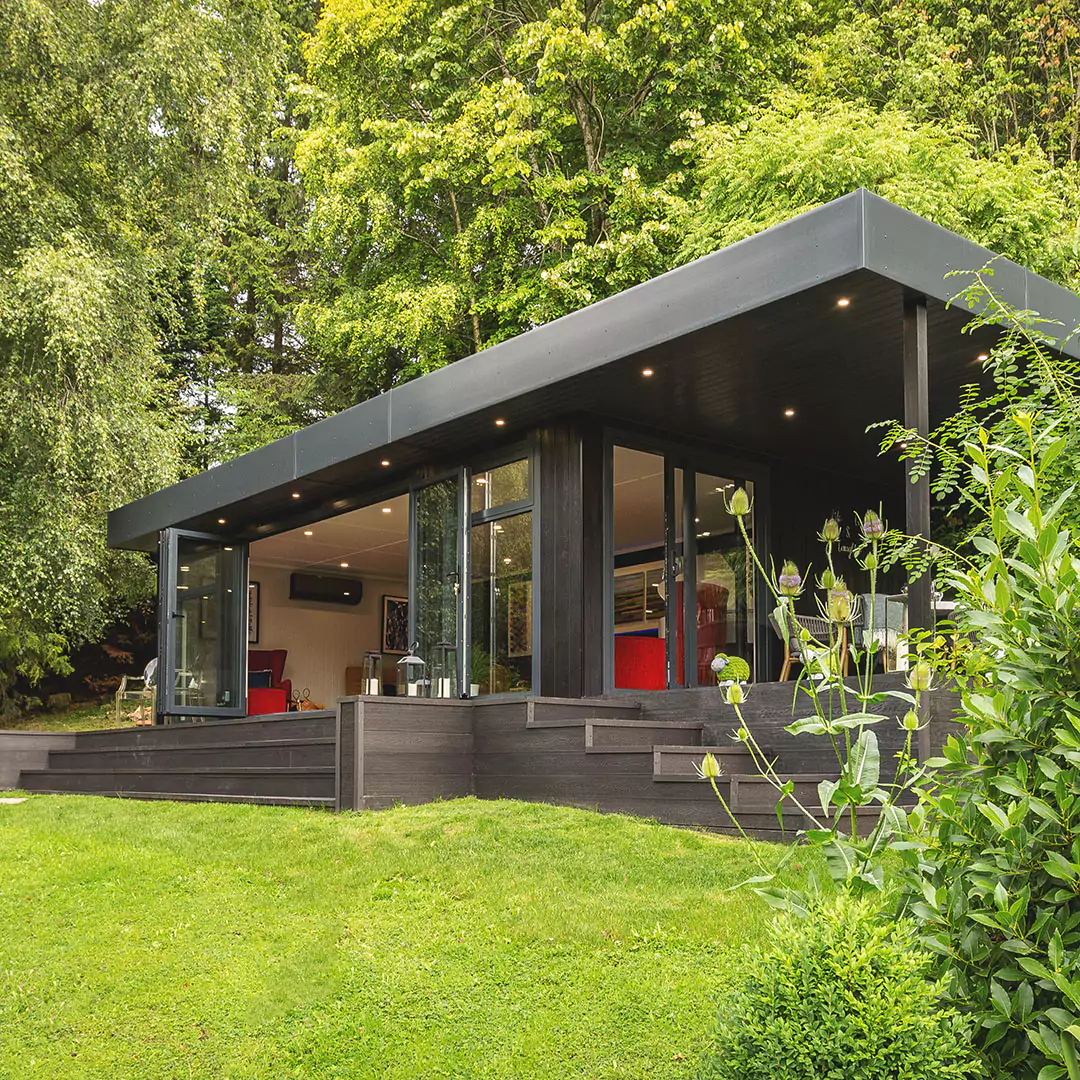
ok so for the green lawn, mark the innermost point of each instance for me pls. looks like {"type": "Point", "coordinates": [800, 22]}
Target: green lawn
{"type": "Point", "coordinates": [88, 716]}
{"type": "Point", "coordinates": [462, 939]}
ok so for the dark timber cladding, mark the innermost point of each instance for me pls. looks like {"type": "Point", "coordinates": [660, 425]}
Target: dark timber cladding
{"type": "Point", "coordinates": [570, 563]}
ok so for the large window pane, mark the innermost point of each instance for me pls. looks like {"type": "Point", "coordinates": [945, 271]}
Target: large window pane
{"type": "Point", "coordinates": [725, 578]}
{"type": "Point", "coordinates": [501, 486]}
{"type": "Point", "coordinates": [438, 582]}
{"type": "Point", "coordinates": [502, 606]}
{"type": "Point", "coordinates": [641, 607]}
{"type": "Point", "coordinates": [207, 658]}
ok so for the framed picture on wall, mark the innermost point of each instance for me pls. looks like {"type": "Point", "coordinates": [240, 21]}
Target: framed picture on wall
{"type": "Point", "coordinates": [395, 624]}
{"type": "Point", "coordinates": [253, 613]}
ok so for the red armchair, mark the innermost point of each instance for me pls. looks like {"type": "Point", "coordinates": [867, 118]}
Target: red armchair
{"type": "Point", "coordinates": [640, 662]}
{"type": "Point", "coordinates": [274, 698]}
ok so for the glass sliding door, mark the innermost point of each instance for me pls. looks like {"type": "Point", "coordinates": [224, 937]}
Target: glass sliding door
{"type": "Point", "coordinates": [682, 586]}
{"type": "Point", "coordinates": [501, 610]}
{"type": "Point", "coordinates": [202, 661]}
{"type": "Point", "coordinates": [436, 610]}
{"type": "Point", "coordinates": [641, 581]}
{"type": "Point", "coordinates": [724, 576]}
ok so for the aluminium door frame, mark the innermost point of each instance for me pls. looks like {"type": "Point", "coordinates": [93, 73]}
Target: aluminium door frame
{"type": "Point", "coordinates": [692, 458]}
{"type": "Point", "coordinates": [168, 568]}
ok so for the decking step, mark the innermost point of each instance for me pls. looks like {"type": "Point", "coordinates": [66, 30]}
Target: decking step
{"type": "Point", "coordinates": [249, 731]}
{"type": "Point", "coordinates": [605, 736]}
{"type": "Point", "coordinates": [680, 764]}
{"type": "Point", "coordinates": [321, 803]}
{"type": "Point", "coordinates": [272, 753]}
{"type": "Point", "coordinates": [318, 782]}
{"type": "Point", "coordinates": [555, 712]}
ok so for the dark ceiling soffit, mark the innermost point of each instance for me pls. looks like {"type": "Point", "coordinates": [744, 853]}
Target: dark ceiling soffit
{"type": "Point", "coordinates": [858, 231]}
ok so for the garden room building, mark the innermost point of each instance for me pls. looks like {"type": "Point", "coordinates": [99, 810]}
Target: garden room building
{"type": "Point", "coordinates": [549, 517]}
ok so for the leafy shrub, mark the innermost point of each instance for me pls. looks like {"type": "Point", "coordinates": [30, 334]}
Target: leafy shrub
{"type": "Point", "coordinates": [994, 848]}
{"type": "Point", "coordinates": [839, 994]}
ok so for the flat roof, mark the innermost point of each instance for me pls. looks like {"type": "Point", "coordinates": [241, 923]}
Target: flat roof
{"type": "Point", "coordinates": [738, 327]}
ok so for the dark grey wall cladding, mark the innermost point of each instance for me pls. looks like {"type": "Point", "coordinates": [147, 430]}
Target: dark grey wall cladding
{"type": "Point", "coordinates": [400, 751]}
{"type": "Point", "coordinates": [27, 750]}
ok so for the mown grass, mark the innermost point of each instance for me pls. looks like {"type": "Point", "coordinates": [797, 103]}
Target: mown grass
{"type": "Point", "coordinates": [464, 939]}
{"type": "Point", "coordinates": [84, 716]}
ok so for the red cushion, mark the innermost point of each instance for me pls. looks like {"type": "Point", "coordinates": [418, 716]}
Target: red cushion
{"type": "Point", "coordinates": [272, 660]}
{"type": "Point", "coordinates": [264, 700]}
{"type": "Point", "coordinates": [640, 663]}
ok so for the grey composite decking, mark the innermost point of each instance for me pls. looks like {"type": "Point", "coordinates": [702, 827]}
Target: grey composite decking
{"type": "Point", "coordinates": [632, 753]}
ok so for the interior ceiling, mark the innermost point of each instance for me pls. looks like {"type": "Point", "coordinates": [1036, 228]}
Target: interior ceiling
{"type": "Point", "coordinates": [371, 540]}
{"type": "Point", "coordinates": [839, 369]}
{"type": "Point", "coordinates": [638, 482]}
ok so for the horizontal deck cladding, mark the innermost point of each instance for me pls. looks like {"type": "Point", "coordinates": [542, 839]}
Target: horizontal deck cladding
{"type": "Point", "coordinates": [249, 730]}
{"type": "Point", "coordinates": [400, 751]}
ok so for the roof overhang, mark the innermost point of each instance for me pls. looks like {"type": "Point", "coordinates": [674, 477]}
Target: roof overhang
{"type": "Point", "coordinates": [742, 330]}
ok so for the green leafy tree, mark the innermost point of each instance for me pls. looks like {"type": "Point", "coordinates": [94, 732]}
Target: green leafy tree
{"type": "Point", "coordinates": [235, 347]}
{"type": "Point", "coordinates": [794, 154]}
{"type": "Point", "coordinates": [122, 138]}
{"type": "Point", "coordinates": [1007, 69]}
{"type": "Point", "coordinates": [476, 169]}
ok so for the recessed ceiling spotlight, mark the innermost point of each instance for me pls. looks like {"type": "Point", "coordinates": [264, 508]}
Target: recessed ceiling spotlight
{"type": "Point", "coordinates": [789, 413]}
{"type": "Point", "coordinates": [344, 566]}
{"type": "Point", "coordinates": [500, 422]}
{"type": "Point", "coordinates": [384, 462]}
{"type": "Point", "coordinates": [296, 494]}
{"type": "Point", "coordinates": [387, 509]}
{"type": "Point", "coordinates": [308, 532]}
{"type": "Point", "coordinates": [348, 594]}
{"type": "Point", "coordinates": [983, 357]}
{"type": "Point", "coordinates": [647, 372]}
{"type": "Point", "coordinates": [228, 549]}
{"type": "Point", "coordinates": [221, 521]}
{"type": "Point", "coordinates": [844, 301]}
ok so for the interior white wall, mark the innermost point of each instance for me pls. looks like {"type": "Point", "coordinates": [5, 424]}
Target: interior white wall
{"type": "Point", "coordinates": [322, 639]}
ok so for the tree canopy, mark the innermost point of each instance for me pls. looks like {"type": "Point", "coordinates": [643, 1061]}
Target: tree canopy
{"type": "Point", "coordinates": [222, 220]}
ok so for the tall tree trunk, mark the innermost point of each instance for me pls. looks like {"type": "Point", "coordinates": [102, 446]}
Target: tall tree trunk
{"type": "Point", "coordinates": [581, 104]}
{"type": "Point", "coordinates": [472, 285]}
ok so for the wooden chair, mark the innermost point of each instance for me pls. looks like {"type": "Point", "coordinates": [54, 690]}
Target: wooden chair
{"type": "Point", "coordinates": [818, 629]}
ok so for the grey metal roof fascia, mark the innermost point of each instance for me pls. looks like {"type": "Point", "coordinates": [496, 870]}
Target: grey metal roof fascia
{"type": "Point", "coordinates": [794, 255]}
{"type": "Point", "coordinates": [917, 253]}
{"type": "Point", "coordinates": [789, 258]}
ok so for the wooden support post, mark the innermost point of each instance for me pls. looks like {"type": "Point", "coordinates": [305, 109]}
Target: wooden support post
{"type": "Point", "coordinates": [917, 502]}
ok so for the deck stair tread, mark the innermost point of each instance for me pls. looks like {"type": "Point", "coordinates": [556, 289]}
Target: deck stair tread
{"type": "Point", "coordinates": [261, 800]}
{"type": "Point", "coordinates": [188, 770]}
{"type": "Point", "coordinates": [299, 740]}
{"type": "Point", "coordinates": [636, 736]}
{"type": "Point", "coordinates": [679, 763]}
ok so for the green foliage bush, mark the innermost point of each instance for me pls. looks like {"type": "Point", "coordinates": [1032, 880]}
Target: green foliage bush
{"type": "Point", "coordinates": [994, 849]}
{"type": "Point", "coordinates": [839, 994]}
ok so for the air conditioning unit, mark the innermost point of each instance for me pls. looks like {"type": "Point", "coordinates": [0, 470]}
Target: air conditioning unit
{"type": "Point", "coordinates": [325, 588]}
